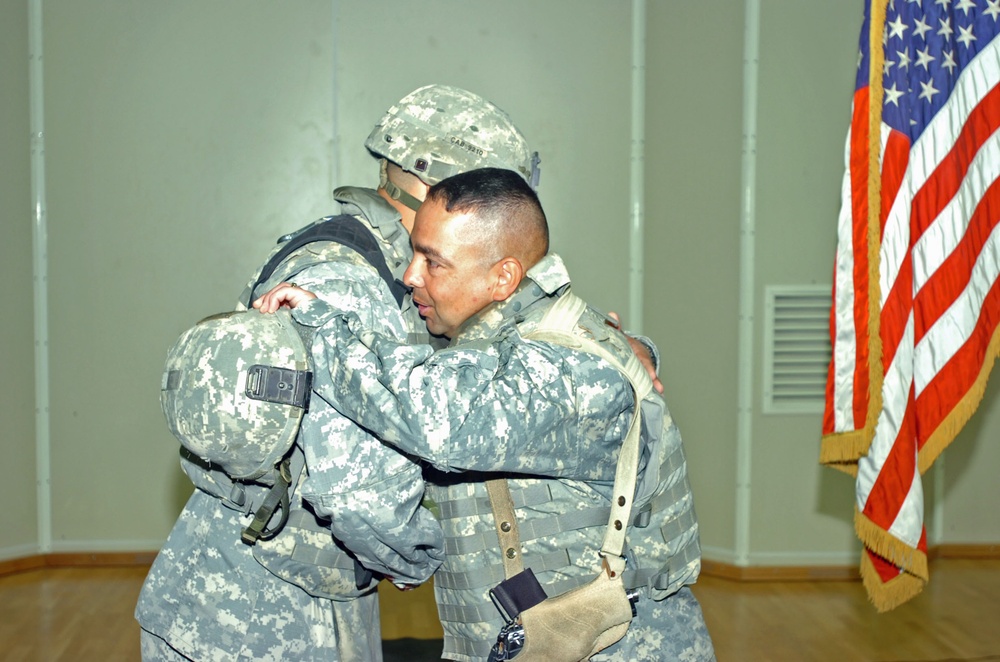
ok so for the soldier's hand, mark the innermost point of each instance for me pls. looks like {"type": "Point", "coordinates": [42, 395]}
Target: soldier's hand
{"type": "Point", "coordinates": [289, 295]}
{"type": "Point", "coordinates": [641, 352]}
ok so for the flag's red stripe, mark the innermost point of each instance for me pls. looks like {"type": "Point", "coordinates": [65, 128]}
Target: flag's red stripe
{"type": "Point", "coordinates": [859, 199]}
{"type": "Point", "coordinates": [886, 571]}
{"type": "Point", "coordinates": [896, 309]}
{"type": "Point", "coordinates": [829, 420]}
{"type": "Point", "coordinates": [896, 312]}
{"type": "Point", "coordinates": [955, 379]}
{"type": "Point", "coordinates": [896, 473]}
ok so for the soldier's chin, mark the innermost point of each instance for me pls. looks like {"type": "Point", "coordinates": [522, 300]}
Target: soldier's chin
{"type": "Point", "coordinates": [436, 329]}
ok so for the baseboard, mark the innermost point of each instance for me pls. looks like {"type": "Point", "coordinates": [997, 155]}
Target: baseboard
{"type": "Point", "coordinates": [948, 551]}
{"type": "Point", "coordinates": [820, 573]}
{"type": "Point", "coordinates": [76, 560]}
{"type": "Point", "coordinates": [776, 573]}
{"type": "Point", "coordinates": [782, 573]}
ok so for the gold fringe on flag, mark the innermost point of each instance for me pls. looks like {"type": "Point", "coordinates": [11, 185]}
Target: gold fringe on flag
{"type": "Point", "coordinates": [886, 596]}
{"type": "Point", "coordinates": [963, 411]}
{"type": "Point", "coordinates": [841, 450]}
{"type": "Point", "coordinates": [911, 562]}
{"type": "Point", "coordinates": [875, 93]}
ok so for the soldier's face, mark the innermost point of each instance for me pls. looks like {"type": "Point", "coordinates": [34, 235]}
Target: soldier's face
{"type": "Point", "coordinates": [451, 277]}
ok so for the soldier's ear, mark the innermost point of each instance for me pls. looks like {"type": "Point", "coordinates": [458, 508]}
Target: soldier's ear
{"type": "Point", "coordinates": [508, 273]}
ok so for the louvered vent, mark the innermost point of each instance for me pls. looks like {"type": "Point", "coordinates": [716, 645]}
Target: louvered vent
{"type": "Point", "coordinates": [797, 348]}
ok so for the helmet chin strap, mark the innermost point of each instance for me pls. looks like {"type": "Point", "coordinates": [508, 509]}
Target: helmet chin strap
{"type": "Point", "coordinates": [397, 193]}
{"type": "Point", "coordinates": [394, 191]}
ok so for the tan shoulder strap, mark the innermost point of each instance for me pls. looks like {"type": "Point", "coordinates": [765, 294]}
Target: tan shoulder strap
{"type": "Point", "coordinates": [557, 327]}
{"type": "Point", "coordinates": [506, 525]}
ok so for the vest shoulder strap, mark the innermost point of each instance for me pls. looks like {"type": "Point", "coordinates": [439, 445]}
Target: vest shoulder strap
{"type": "Point", "coordinates": [556, 326]}
{"type": "Point", "coordinates": [343, 229]}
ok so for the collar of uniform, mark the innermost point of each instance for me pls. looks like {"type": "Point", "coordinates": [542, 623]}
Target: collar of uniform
{"type": "Point", "coordinates": [383, 218]}
{"type": "Point", "coordinates": [546, 279]}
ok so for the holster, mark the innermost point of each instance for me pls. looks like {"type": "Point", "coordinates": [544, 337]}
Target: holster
{"type": "Point", "coordinates": [577, 624]}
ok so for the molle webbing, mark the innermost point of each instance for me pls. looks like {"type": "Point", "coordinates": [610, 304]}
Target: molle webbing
{"type": "Point", "coordinates": [663, 578]}
{"type": "Point", "coordinates": [492, 574]}
{"type": "Point", "coordinates": [530, 495]}
{"type": "Point", "coordinates": [533, 529]}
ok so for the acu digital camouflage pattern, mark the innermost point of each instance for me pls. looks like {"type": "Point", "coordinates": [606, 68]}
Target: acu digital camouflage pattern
{"type": "Point", "coordinates": [495, 402]}
{"type": "Point", "coordinates": [211, 601]}
{"type": "Point", "coordinates": [211, 597]}
{"type": "Point", "coordinates": [204, 394]}
{"type": "Point", "coordinates": [438, 131]}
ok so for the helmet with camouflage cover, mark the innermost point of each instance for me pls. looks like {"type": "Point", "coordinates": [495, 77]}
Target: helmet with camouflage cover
{"type": "Point", "coordinates": [437, 131]}
{"type": "Point", "coordinates": [235, 387]}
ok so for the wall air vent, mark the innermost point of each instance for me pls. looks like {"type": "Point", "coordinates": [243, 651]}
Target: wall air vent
{"type": "Point", "coordinates": [796, 348]}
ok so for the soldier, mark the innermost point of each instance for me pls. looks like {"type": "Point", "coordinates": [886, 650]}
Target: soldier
{"type": "Point", "coordinates": [299, 596]}
{"type": "Point", "coordinates": [501, 402]}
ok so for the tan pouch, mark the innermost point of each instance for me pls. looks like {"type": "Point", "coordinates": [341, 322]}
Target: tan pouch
{"type": "Point", "coordinates": [577, 624]}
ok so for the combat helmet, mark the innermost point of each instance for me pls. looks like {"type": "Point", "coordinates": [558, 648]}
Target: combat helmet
{"type": "Point", "coordinates": [235, 387]}
{"type": "Point", "coordinates": [437, 131]}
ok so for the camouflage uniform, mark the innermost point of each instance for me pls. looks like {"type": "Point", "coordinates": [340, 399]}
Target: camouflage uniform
{"type": "Point", "coordinates": [497, 402]}
{"type": "Point", "coordinates": [208, 598]}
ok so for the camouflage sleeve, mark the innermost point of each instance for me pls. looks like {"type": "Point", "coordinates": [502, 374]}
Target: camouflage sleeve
{"type": "Point", "coordinates": [371, 492]}
{"type": "Point", "coordinates": [654, 351]}
{"type": "Point", "coordinates": [516, 405]}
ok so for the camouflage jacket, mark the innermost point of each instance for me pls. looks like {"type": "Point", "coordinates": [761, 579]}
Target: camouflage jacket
{"type": "Point", "coordinates": [211, 599]}
{"type": "Point", "coordinates": [495, 402]}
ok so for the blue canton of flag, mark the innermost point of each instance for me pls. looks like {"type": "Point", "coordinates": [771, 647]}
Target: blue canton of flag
{"type": "Point", "coordinates": [926, 48]}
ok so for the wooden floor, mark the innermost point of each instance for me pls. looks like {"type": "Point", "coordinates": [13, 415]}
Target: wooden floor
{"type": "Point", "coordinates": [85, 614]}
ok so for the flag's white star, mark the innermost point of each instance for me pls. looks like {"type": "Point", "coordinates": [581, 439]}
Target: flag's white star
{"type": "Point", "coordinates": [887, 65]}
{"type": "Point", "coordinates": [892, 95]}
{"type": "Point", "coordinates": [920, 28]}
{"type": "Point", "coordinates": [924, 58]}
{"type": "Point", "coordinates": [965, 5]}
{"type": "Point", "coordinates": [904, 59]}
{"type": "Point", "coordinates": [945, 29]}
{"type": "Point", "coordinates": [943, 3]}
{"type": "Point", "coordinates": [897, 27]}
{"type": "Point", "coordinates": [928, 91]}
{"type": "Point", "coordinates": [965, 36]}
{"type": "Point", "coordinates": [949, 60]}
{"type": "Point", "coordinates": [992, 9]}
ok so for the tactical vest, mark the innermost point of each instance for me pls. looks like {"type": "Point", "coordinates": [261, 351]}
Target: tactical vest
{"type": "Point", "coordinates": [303, 551]}
{"type": "Point", "coordinates": [562, 522]}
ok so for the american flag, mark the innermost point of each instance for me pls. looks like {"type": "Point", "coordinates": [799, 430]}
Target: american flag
{"type": "Point", "coordinates": [916, 298]}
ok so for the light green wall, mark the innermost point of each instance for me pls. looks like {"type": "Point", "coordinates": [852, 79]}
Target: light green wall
{"type": "Point", "coordinates": [968, 487]}
{"type": "Point", "coordinates": [19, 533]}
{"type": "Point", "coordinates": [806, 82]}
{"type": "Point", "coordinates": [693, 128]}
{"type": "Point", "coordinates": [183, 138]}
